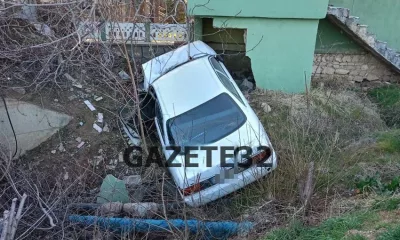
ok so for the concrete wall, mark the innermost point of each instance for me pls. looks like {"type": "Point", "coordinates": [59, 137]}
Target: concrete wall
{"type": "Point", "coordinates": [259, 8]}
{"type": "Point", "coordinates": [279, 36]}
{"type": "Point", "coordinates": [382, 17]}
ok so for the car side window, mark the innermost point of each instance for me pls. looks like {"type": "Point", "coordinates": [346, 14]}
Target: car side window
{"type": "Point", "coordinates": [224, 78]}
{"type": "Point", "coordinates": [158, 113]}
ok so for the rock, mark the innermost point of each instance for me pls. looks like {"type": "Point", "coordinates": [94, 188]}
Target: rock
{"type": "Point", "coordinates": [346, 59]}
{"type": "Point", "coordinates": [132, 180]}
{"type": "Point", "coordinates": [78, 85]}
{"type": "Point", "coordinates": [97, 160]}
{"type": "Point", "coordinates": [328, 70]}
{"type": "Point", "coordinates": [358, 79]}
{"type": "Point", "coordinates": [69, 77]}
{"type": "Point", "coordinates": [124, 75]}
{"type": "Point", "coordinates": [121, 157]}
{"type": "Point", "coordinates": [72, 97]}
{"type": "Point", "coordinates": [61, 148]}
{"type": "Point", "coordinates": [355, 73]}
{"type": "Point", "coordinates": [246, 85]}
{"type": "Point", "coordinates": [19, 90]}
{"type": "Point", "coordinates": [266, 107]}
{"type": "Point", "coordinates": [364, 67]}
{"type": "Point", "coordinates": [106, 128]}
{"type": "Point", "coordinates": [342, 71]}
{"type": "Point", "coordinates": [372, 77]}
{"type": "Point", "coordinates": [66, 176]}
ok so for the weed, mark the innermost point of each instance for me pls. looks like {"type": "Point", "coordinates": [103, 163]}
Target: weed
{"type": "Point", "coordinates": [389, 141]}
{"type": "Point", "coordinates": [387, 204]}
{"type": "Point", "coordinates": [333, 228]}
{"type": "Point", "coordinates": [355, 237]}
{"type": "Point", "coordinates": [374, 183]}
{"type": "Point", "coordinates": [388, 100]}
{"type": "Point", "coordinates": [391, 234]}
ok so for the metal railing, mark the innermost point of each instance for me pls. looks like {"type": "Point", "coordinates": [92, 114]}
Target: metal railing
{"type": "Point", "coordinates": [136, 32]}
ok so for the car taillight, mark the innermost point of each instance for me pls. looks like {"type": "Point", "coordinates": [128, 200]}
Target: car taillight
{"type": "Point", "coordinates": [258, 158]}
{"type": "Point", "coordinates": [192, 189]}
{"type": "Point", "coordinates": [197, 187]}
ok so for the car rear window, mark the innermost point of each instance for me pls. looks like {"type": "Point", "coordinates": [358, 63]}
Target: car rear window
{"type": "Point", "coordinates": [206, 123]}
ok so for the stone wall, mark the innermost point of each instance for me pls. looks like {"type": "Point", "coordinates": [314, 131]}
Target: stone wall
{"type": "Point", "coordinates": [352, 68]}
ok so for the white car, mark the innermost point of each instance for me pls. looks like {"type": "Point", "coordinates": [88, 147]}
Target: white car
{"type": "Point", "coordinates": [211, 138]}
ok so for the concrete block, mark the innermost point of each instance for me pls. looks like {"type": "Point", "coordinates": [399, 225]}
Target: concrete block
{"type": "Point", "coordinates": [328, 70]}
{"type": "Point", "coordinates": [372, 77]}
{"type": "Point", "coordinates": [30, 128]}
{"type": "Point", "coordinates": [342, 71]}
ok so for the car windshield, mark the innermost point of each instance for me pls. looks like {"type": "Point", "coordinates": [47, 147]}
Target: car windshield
{"type": "Point", "coordinates": [206, 123]}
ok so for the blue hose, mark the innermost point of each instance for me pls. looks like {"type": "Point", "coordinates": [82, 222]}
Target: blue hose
{"type": "Point", "coordinates": [210, 230]}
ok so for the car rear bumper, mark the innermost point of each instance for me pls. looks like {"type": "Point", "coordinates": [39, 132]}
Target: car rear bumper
{"type": "Point", "coordinates": [230, 185]}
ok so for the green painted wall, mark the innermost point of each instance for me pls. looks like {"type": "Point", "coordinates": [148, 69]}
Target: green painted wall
{"type": "Point", "coordinates": [278, 62]}
{"type": "Point", "coordinates": [259, 8]}
{"type": "Point", "coordinates": [280, 36]}
{"type": "Point", "coordinates": [331, 39]}
{"type": "Point", "coordinates": [382, 17]}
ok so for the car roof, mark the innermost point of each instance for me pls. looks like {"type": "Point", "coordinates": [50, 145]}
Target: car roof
{"type": "Point", "coordinates": [187, 86]}
{"type": "Point", "coordinates": [160, 65]}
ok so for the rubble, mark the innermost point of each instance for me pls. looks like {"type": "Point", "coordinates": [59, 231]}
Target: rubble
{"type": "Point", "coordinates": [97, 127]}
{"type": "Point", "coordinates": [100, 117]}
{"type": "Point", "coordinates": [106, 128]}
{"type": "Point", "coordinates": [266, 107]}
{"type": "Point", "coordinates": [89, 105]}
{"type": "Point", "coordinates": [246, 85]}
{"type": "Point", "coordinates": [78, 85]}
{"type": "Point", "coordinates": [98, 99]}
{"type": "Point", "coordinates": [66, 176]}
{"type": "Point", "coordinates": [97, 160]}
{"type": "Point", "coordinates": [72, 97]}
{"type": "Point", "coordinates": [61, 148]}
{"type": "Point", "coordinates": [124, 75]}
{"type": "Point", "coordinates": [80, 144]}
{"type": "Point", "coordinates": [132, 180]}
{"type": "Point", "coordinates": [69, 77]}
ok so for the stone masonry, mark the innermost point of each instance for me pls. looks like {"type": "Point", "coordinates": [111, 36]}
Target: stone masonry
{"type": "Point", "coordinates": [353, 68]}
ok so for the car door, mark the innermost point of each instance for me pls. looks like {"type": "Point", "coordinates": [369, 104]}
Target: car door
{"type": "Point", "coordinates": [159, 123]}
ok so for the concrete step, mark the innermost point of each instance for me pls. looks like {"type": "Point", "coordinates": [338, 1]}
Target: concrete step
{"type": "Point", "coordinates": [352, 20]}
{"type": "Point", "coordinates": [380, 46]}
{"type": "Point", "coordinates": [362, 31]}
{"type": "Point", "coordinates": [353, 23]}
